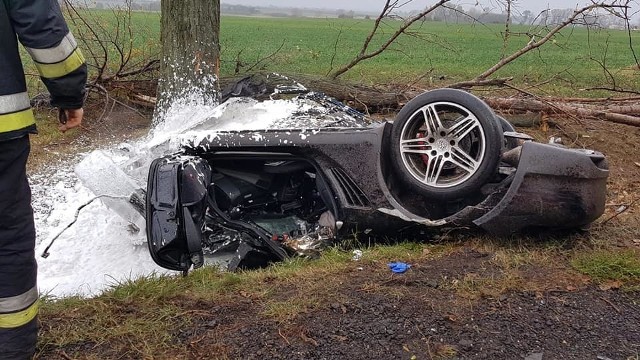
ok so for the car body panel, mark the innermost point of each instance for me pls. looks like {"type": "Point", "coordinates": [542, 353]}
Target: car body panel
{"type": "Point", "coordinates": [553, 187]}
{"type": "Point", "coordinates": [348, 173]}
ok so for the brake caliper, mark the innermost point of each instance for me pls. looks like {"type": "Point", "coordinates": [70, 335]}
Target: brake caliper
{"type": "Point", "coordinates": [425, 157]}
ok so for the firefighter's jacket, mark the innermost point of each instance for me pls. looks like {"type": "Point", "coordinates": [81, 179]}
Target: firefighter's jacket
{"type": "Point", "coordinates": [39, 26]}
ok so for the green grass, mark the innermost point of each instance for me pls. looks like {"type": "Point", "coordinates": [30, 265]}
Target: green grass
{"type": "Point", "coordinates": [142, 318]}
{"type": "Point", "coordinates": [444, 52]}
{"type": "Point", "coordinates": [604, 265]}
{"type": "Point", "coordinates": [452, 51]}
{"type": "Point", "coordinates": [284, 290]}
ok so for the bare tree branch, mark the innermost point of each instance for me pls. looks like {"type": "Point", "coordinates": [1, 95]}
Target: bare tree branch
{"type": "Point", "coordinates": [113, 59]}
{"type": "Point", "coordinates": [612, 89]}
{"type": "Point", "coordinates": [365, 54]}
{"type": "Point", "coordinates": [507, 30]}
{"type": "Point", "coordinates": [533, 44]}
{"type": "Point", "coordinates": [335, 51]}
{"type": "Point", "coordinates": [268, 57]}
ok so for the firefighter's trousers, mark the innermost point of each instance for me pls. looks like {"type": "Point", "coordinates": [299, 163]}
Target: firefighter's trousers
{"type": "Point", "coordinates": [18, 268]}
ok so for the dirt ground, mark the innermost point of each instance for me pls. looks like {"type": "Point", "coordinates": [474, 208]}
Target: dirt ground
{"type": "Point", "coordinates": [383, 316]}
{"type": "Point", "coordinates": [104, 124]}
{"type": "Point", "coordinates": [461, 305]}
{"type": "Point", "coordinates": [440, 309]}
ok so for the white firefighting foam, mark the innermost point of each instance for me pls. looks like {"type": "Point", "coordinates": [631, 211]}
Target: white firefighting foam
{"type": "Point", "coordinates": [100, 249]}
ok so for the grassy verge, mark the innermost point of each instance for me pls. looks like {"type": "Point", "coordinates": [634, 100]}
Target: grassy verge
{"type": "Point", "coordinates": [603, 265]}
{"type": "Point", "coordinates": [144, 314]}
{"type": "Point", "coordinates": [148, 316]}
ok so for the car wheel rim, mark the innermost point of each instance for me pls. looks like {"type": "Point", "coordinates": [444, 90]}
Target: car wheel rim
{"type": "Point", "coordinates": [442, 144]}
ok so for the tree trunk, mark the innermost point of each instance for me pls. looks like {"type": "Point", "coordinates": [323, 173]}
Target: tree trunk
{"type": "Point", "coordinates": [190, 64]}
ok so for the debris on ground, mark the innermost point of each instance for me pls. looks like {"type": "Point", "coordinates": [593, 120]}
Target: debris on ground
{"type": "Point", "coordinates": [398, 267]}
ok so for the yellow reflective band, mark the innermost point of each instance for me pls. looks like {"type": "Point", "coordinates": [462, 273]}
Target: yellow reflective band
{"type": "Point", "coordinates": [16, 121]}
{"type": "Point", "coordinates": [17, 319]}
{"type": "Point", "coordinates": [62, 68]}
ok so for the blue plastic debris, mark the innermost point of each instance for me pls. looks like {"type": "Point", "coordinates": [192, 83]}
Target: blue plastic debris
{"type": "Point", "coordinates": [399, 267]}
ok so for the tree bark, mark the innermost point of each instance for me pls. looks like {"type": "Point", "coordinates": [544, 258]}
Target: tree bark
{"type": "Point", "coordinates": [190, 66]}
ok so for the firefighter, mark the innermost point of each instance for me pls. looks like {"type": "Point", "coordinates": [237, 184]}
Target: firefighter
{"type": "Point", "coordinates": [39, 26]}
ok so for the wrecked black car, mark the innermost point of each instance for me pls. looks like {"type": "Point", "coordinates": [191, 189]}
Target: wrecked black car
{"type": "Point", "coordinates": [447, 161]}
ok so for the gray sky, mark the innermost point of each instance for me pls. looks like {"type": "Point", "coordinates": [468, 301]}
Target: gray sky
{"type": "Point", "coordinates": [376, 5]}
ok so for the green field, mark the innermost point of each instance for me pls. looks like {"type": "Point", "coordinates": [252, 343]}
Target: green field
{"type": "Point", "coordinates": [444, 52]}
{"type": "Point", "coordinates": [455, 51]}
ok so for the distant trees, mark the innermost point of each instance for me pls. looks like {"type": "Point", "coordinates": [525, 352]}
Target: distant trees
{"type": "Point", "coordinates": [346, 15]}
{"type": "Point", "coordinates": [239, 9]}
{"type": "Point", "coordinates": [526, 18]}
{"type": "Point", "coordinates": [451, 13]}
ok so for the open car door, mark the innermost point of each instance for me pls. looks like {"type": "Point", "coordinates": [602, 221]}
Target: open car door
{"type": "Point", "coordinates": [176, 207]}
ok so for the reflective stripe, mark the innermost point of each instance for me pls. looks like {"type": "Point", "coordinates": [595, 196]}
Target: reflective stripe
{"type": "Point", "coordinates": [16, 121]}
{"type": "Point", "coordinates": [55, 54]}
{"type": "Point", "coordinates": [14, 102]}
{"type": "Point", "coordinates": [62, 68]}
{"type": "Point", "coordinates": [17, 319]}
{"type": "Point", "coordinates": [15, 303]}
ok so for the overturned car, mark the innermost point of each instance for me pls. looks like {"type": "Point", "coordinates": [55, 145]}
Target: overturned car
{"type": "Point", "coordinates": [256, 197]}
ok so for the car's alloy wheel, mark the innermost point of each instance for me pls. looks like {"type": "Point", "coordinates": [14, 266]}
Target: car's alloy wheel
{"type": "Point", "coordinates": [446, 143]}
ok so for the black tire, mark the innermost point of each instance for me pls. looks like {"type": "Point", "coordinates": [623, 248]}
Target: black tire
{"type": "Point", "coordinates": [505, 124]}
{"type": "Point", "coordinates": [456, 133]}
{"type": "Point", "coordinates": [509, 143]}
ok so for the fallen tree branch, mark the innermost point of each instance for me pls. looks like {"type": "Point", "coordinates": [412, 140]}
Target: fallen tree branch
{"type": "Point", "coordinates": [624, 109]}
{"type": "Point", "coordinates": [612, 89]}
{"type": "Point", "coordinates": [143, 100]}
{"type": "Point", "coordinates": [597, 100]}
{"type": "Point", "coordinates": [526, 104]}
{"type": "Point", "coordinates": [619, 212]}
{"type": "Point", "coordinates": [484, 82]}
{"type": "Point", "coordinates": [534, 96]}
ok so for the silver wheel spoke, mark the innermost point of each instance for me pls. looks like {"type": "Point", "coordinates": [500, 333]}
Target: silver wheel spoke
{"type": "Point", "coordinates": [415, 146]}
{"type": "Point", "coordinates": [431, 119]}
{"type": "Point", "coordinates": [422, 141]}
{"type": "Point", "coordinates": [434, 168]}
{"type": "Point", "coordinates": [462, 128]}
{"type": "Point", "coordinates": [463, 160]}
{"type": "Point", "coordinates": [416, 151]}
{"type": "Point", "coordinates": [442, 144]}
